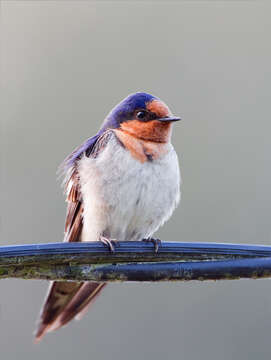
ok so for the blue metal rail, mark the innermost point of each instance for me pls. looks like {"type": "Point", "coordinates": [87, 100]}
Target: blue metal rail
{"type": "Point", "coordinates": [135, 261]}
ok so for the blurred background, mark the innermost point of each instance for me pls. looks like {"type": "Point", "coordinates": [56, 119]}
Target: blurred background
{"type": "Point", "coordinates": [64, 65]}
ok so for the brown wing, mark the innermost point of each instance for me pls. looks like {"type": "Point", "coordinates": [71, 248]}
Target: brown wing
{"type": "Point", "coordinates": [65, 300]}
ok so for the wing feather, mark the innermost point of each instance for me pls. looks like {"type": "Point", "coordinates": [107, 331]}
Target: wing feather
{"type": "Point", "coordinates": [66, 300]}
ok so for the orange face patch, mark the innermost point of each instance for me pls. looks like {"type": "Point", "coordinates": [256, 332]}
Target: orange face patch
{"type": "Point", "coordinates": [159, 108]}
{"type": "Point", "coordinates": [154, 130]}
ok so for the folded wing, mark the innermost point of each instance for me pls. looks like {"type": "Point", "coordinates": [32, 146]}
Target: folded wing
{"type": "Point", "coordinates": [66, 300]}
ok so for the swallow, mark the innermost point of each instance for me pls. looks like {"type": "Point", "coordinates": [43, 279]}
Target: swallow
{"type": "Point", "coordinates": [121, 184]}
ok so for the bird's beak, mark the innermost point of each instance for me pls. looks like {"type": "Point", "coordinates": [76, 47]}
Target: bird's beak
{"type": "Point", "coordinates": [169, 118]}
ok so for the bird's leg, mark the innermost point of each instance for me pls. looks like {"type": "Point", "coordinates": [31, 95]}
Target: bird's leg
{"type": "Point", "coordinates": [156, 243]}
{"type": "Point", "coordinates": [109, 243]}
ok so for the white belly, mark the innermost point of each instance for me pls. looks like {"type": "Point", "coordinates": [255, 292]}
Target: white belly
{"type": "Point", "coordinates": [125, 199]}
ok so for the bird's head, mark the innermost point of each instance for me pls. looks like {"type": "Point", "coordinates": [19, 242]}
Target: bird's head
{"type": "Point", "coordinates": [142, 115]}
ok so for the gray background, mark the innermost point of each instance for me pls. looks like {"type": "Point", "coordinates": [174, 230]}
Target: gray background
{"type": "Point", "coordinates": [64, 65]}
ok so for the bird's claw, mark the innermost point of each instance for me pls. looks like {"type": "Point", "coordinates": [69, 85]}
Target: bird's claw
{"type": "Point", "coordinates": [156, 243]}
{"type": "Point", "coordinates": [109, 243]}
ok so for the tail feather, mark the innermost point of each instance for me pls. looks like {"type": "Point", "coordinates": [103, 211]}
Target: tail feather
{"type": "Point", "coordinates": [80, 303]}
{"type": "Point", "coordinates": [65, 301]}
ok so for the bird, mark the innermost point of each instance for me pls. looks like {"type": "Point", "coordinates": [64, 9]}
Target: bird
{"type": "Point", "coordinates": [121, 184]}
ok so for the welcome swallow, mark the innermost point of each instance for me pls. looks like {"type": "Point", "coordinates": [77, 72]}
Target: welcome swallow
{"type": "Point", "coordinates": [123, 184]}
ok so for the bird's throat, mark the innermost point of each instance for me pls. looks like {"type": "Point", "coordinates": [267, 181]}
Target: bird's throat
{"type": "Point", "coordinates": [155, 130]}
{"type": "Point", "coordinates": [140, 149]}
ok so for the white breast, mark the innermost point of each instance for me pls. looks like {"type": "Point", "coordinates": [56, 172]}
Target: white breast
{"type": "Point", "coordinates": [125, 199]}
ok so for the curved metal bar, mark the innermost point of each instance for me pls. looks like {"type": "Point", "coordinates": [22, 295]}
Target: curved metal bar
{"type": "Point", "coordinates": [97, 253]}
{"type": "Point", "coordinates": [178, 271]}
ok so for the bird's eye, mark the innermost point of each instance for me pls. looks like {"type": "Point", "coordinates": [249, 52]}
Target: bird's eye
{"type": "Point", "coordinates": [141, 114]}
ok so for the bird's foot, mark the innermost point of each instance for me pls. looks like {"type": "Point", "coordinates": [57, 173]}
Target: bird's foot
{"type": "Point", "coordinates": [109, 243]}
{"type": "Point", "coordinates": [156, 243]}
